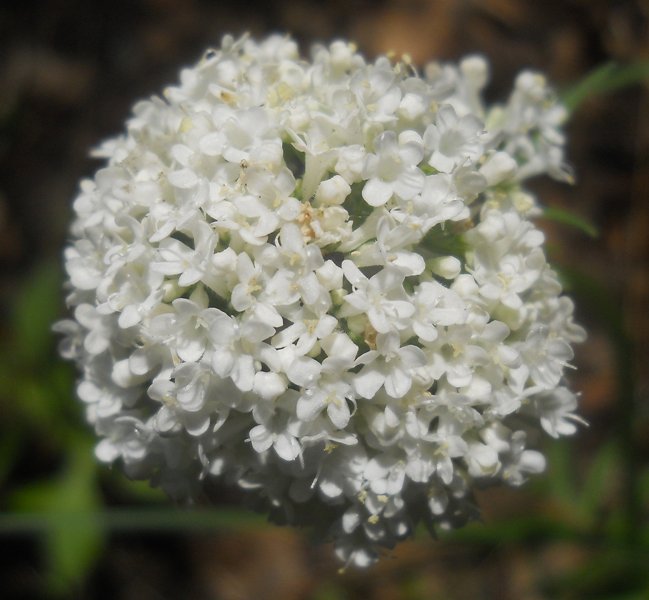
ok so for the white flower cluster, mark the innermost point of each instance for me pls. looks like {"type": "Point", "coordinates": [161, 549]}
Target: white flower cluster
{"type": "Point", "coordinates": [318, 281]}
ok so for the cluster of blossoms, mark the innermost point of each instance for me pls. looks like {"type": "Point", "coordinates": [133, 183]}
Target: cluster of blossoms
{"type": "Point", "coordinates": [319, 282]}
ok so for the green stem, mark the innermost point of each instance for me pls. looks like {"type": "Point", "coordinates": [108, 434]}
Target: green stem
{"type": "Point", "coordinates": [131, 520]}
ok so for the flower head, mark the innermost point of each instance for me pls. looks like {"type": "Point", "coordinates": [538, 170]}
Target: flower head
{"type": "Point", "coordinates": [315, 280]}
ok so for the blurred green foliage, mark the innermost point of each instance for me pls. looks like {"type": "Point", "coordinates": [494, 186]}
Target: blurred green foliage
{"type": "Point", "coordinates": [39, 416]}
{"type": "Point", "coordinates": [605, 79]}
{"type": "Point", "coordinates": [571, 219]}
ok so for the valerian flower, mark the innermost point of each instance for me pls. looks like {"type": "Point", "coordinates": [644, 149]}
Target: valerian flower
{"type": "Point", "coordinates": [319, 281]}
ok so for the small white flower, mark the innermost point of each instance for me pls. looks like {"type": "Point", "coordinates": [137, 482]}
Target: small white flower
{"type": "Point", "coordinates": [236, 348]}
{"type": "Point", "coordinates": [436, 306]}
{"type": "Point", "coordinates": [192, 264]}
{"type": "Point", "coordinates": [393, 169]}
{"type": "Point", "coordinates": [333, 396]}
{"type": "Point", "coordinates": [453, 140]}
{"type": "Point", "coordinates": [381, 297]}
{"type": "Point", "coordinates": [386, 473]}
{"type": "Point", "coordinates": [389, 365]}
{"type": "Point", "coordinates": [305, 330]}
{"type": "Point", "coordinates": [187, 327]}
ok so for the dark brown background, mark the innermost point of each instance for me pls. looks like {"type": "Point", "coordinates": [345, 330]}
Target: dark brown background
{"type": "Point", "coordinates": [69, 72]}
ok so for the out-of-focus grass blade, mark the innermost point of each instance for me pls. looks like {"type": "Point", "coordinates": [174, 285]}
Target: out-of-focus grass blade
{"type": "Point", "coordinates": [643, 485]}
{"type": "Point", "coordinates": [598, 480]}
{"type": "Point", "coordinates": [566, 217]}
{"type": "Point", "coordinates": [70, 551]}
{"type": "Point", "coordinates": [35, 309]}
{"type": "Point", "coordinates": [518, 529]}
{"type": "Point", "coordinates": [10, 443]}
{"type": "Point", "coordinates": [607, 78]}
{"type": "Point", "coordinates": [560, 473]}
{"type": "Point", "coordinates": [139, 520]}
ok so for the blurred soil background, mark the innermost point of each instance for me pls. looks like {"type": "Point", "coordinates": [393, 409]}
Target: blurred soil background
{"type": "Point", "coordinates": [69, 72]}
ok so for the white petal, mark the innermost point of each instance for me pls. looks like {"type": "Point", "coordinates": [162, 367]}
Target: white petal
{"type": "Point", "coordinates": [397, 383]}
{"type": "Point", "coordinates": [376, 468]}
{"type": "Point", "coordinates": [269, 385]}
{"type": "Point", "coordinates": [409, 263]}
{"type": "Point", "coordinates": [409, 184]}
{"type": "Point", "coordinates": [376, 192]}
{"type": "Point", "coordinates": [437, 502]}
{"type": "Point", "coordinates": [241, 299]}
{"type": "Point", "coordinates": [260, 438]}
{"type": "Point", "coordinates": [303, 371]}
{"type": "Point", "coordinates": [222, 362]}
{"type": "Point", "coordinates": [96, 342]}
{"type": "Point", "coordinates": [338, 412]}
{"type": "Point", "coordinates": [183, 179]}
{"type": "Point", "coordinates": [130, 316]}
{"type": "Point", "coordinates": [368, 381]}
{"type": "Point", "coordinates": [351, 520]}
{"type": "Point", "coordinates": [197, 423]}
{"type": "Point", "coordinates": [106, 451]}
{"type": "Point", "coordinates": [330, 488]}
{"type": "Point", "coordinates": [268, 315]}
{"type": "Point", "coordinates": [286, 446]}
{"type": "Point", "coordinates": [165, 420]}
{"type": "Point", "coordinates": [243, 373]}
{"type": "Point", "coordinates": [441, 162]}
{"type": "Point", "coordinates": [353, 273]}
{"type": "Point", "coordinates": [412, 357]}
{"type": "Point", "coordinates": [190, 349]}
{"type": "Point", "coordinates": [392, 419]}
{"type": "Point", "coordinates": [309, 406]}
{"type": "Point", "coordinates": [211, 144]}
{"type": "Point", "coordinates": [532, 461]}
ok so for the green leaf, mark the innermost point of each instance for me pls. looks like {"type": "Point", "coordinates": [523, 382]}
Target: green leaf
{"type": "Point", "coordinates": [560, 473]}
{"type": "Point", "coordinates": [607, 78]}
{"type": "Point", "coordinates": [10, 445]}
{"type": "Point", "coordinates": [70, 550]}
{"type": "Point", "coordinates": [36, 307]}
{"type": "Point", "coordinates": [132, 520]}
{"type": "Point", "coordinates": [566, 217]}
{"type": "Point", "coordinates": [518, 529]}
{"type": "Point", "coordinates": [598, 479]}
{"type": "Point", "coordinates": [44, 403]}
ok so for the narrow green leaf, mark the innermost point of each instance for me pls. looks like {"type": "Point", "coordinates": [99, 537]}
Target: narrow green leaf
{"type": "Point", "coordinates": [518, 529]}
{"type": "Point", "coordinates": [71, 543]}
{"type": "Point", "coordinates": [36, 307]}
{"type": "Point", "coordinates": [643, 486]}
{"type": "Point", "coordinates": [129, 520]}
{"type": "Point", "coordinates": [73, 552]}
{"type": "Point", "coordinates": [10, 444]}
{"type": "Point", "coordinates": [566, 217]}
{"type": "Point", "coordinates": [598, 479]}
{"type": "Point", "coordinates": [607, 78]}
{"type": "Point", "coordinates": [560, 474]}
